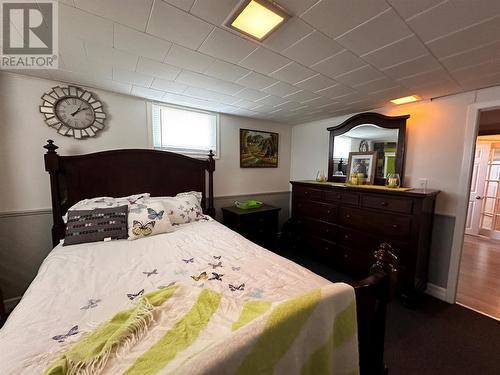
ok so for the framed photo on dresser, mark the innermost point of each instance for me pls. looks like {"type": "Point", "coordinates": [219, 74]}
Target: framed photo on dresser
{"type": "Point", "coordinates": [361, 167]}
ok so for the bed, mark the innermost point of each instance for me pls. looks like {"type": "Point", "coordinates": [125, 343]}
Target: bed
{"type": "Point", "coordinates": [81, 288]}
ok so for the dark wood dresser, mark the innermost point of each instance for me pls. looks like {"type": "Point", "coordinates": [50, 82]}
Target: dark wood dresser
{"type": "Point", "coordinates": [342, 226]}
{"type": "Point", "coordinates": [259, 225]}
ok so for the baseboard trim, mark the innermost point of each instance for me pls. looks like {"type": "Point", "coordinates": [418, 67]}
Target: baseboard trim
{"type": "Point", "coordinates": [436, 291]}
{"type": "Point", "coordinates": [39, 211]}
{"type": "Point", "coordinates": [10, 303]}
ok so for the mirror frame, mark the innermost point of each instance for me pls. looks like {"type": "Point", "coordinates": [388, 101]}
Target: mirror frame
{"type": "Point", "coordinates": [386, 122]}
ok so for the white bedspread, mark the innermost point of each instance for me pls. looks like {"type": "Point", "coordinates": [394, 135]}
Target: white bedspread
{"type": "Point", "coordinates": [85, 285]}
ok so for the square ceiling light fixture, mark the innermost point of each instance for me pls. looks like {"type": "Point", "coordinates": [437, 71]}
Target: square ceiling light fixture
{"type": "Point", "coordinates": [406, 99]}
{"type": "Point", "coordinates": [257, 18]}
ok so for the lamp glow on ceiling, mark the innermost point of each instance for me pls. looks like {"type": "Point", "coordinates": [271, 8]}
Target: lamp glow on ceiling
{"type": "Point", "coordinates": [406, 99]}
{"type": "Point", "coordinates": [257, 19]}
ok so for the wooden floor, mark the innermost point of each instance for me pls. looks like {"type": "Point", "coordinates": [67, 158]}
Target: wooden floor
{"type": "Point", "coordinates": [479, 279]}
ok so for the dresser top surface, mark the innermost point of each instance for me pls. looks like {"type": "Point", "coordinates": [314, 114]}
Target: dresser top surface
{"type": "Point", "coordinates": [414, 193]}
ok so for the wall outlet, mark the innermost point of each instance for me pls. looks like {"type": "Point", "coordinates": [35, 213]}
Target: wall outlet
{"type": "Point", "coordinates": [422, 183]}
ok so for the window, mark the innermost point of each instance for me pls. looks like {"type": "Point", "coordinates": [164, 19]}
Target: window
{"type": "Point", "coordinates": [184, 131]}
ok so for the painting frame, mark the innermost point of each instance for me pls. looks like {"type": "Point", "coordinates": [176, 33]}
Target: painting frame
{"type": "Point", "coordinates": [263, 139]}
{"type": "Point", "coordinates": [354, 160]}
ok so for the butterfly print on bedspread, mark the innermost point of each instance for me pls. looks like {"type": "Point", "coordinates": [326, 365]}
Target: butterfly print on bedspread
{"type": "Point", "coordinates": [215, 265]}
{"type": "Point", "coordinates": [133, 201]}
{"type": "Point", "coordinates": [153, 272]}
{"type": "Point", "coordinates": [167, 286]}
{"type": "Point", "coordinates": [91, 304]}
{"type": "Point", "coordinates": [153, 215]}
{"type": "Point", "coordinates": [132, 296]}
{"type": "Point", "coordinates": [61, 338]}
{"type": "Point", "coordinates": [201, 276]}
{"type": "Point", "coordinates": [236, 268]}
{"type": "Point", "coordinates": [235, 288]}
{"type": "Point", "coordinates": [217, 257]}
{"type": "Point", "coordinates": [190, 260]}
{"type": "Point", "coordinates": [257, 293]}
{"type": "Point", "coordinates": [216, 276]}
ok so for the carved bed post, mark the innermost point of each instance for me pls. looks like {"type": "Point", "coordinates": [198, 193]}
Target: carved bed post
{"type": "Point", "coordinates": [211, 169]}
{"type": "Point", "coordinates": [52, 166]}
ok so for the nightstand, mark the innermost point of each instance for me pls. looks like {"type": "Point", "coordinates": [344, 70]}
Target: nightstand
{"type": "Point", "coordinates": [259, 225]}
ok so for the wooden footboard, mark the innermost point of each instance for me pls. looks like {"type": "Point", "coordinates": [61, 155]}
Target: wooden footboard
{"type": "Point", "coordinates": [372, 296]}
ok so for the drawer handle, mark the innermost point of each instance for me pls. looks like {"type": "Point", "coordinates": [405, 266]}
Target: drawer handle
{"type": "Point", "coordinates": [328, 212]}
{"type": "Point", "coordinates": [384, 204]}
{"type": "Point", "coordinates": [306, 192]}
{"type": "Point", "coordinates": [299, 221]}
{"type": "Point", "coordinates": [346, 256]}
{"type": "Point", "coordinates": [348, 216]}
{"type": "Point", "coordinates": [326, 248]}
{"type": "Point", "coordinates": [261, 230]}
{"type": "Point", "coordinates": [339, 197]}
{"type": "Point", "coordinates": [395, 226]}
{"type": "Point", "coordinates": [346, 236]}
{"type": "Point", "coordinates": [327, 230]}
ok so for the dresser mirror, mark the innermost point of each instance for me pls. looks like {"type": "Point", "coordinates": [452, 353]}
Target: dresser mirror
{"type": "Point", "coordinates": [366, 133]}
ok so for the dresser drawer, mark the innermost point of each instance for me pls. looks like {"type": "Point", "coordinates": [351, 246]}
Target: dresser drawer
{"type": "Point", "coordinates": [324, 250]}
{"type": "Point", "coordinates": [380, 224]}
{"type": "Point", "coordinates": [345, 197]}
{"type": "Point", "coordinates": [306, 193]}
{"type": "Point", "coordinates": [263, 219]}
{"type": "Point", "coordinates": [317, 228]}
{"type": "Point", "coordinates": [387, 203]}
{"type": "Point", "coordinates": [355, 262]}
{"type": "Point", "coordinates": [314, 210]}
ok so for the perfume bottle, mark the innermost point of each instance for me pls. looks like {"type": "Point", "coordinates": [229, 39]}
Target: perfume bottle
{"type": "Point", "coordinates": [320, 176]}
{"type": "Point", "coordinates": [392, 180]}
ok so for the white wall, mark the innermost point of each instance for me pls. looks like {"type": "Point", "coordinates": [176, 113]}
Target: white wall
{"type": "Point", "coordinates": [435, 140]}
{"type": "Point", "coordinates": [24, 184]}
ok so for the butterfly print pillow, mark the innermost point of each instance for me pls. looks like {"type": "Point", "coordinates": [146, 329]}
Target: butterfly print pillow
{"type": "Point", "coordinates": [183, 208]}
{"type": "Point", "coordinates": [147, 220]}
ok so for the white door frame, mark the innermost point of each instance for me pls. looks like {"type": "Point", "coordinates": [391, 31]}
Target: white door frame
{"type": "Point", "coordinates": [470, 135]}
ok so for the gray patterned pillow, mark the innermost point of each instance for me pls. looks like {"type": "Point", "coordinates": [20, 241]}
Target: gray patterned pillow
{"type": "Point", "coordinates": [96, 225]}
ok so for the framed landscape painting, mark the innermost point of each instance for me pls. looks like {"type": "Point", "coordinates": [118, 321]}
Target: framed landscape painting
{"type": "Point", "coordinates": [258, 149]}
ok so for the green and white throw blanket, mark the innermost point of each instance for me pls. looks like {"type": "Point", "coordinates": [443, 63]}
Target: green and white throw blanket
{"type": "Point", "coordinates": [183, 329]}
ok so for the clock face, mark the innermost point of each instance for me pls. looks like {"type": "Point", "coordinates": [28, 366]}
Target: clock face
{"type": "Point", "coordinates": [73, 111]}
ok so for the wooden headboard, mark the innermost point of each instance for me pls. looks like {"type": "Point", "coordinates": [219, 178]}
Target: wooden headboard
{"type": "Point", "coordinates": [118, 173]}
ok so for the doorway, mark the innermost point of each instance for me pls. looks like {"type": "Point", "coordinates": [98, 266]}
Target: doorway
{"type": "Point", "coordinates": [479, 276]}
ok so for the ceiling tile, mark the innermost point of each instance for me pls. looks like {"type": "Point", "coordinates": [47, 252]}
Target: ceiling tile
{"type": "Point", "coordinates": [451, 16]}
{"type": "Point", "coordinates": [139, 43]}
{"type": "Point", "coordinates": [170, 23]}
{"type": "Point", "coordinates": [489, 67]}
{"type": "Point", "coordinates": [409, 8]}
{"type": "Point", "coordinates": [336, 91]}
{"type": "Point", "coordinates": [226, 71]}
{"type": "Point", "coordinates": [188, 59]}
{"type": "Point", "coordinates": [77, 23]}
{"type": "Point", "coordinates": [293, 30]}
{"type": "Point", "coordinates": [313, 48]}
{"type": "Point", "coordinates": [227, 46]}
{"type": "Point", "coordinates": [351, 97]}
{"type": "Point", "coordinates": [133, 78]}
{"type": "Point", "coordinates": [296, 7]}
{"type": "Point", "coordinates": [319, 101]}
{"type": "Point", "coordinates": [157, 69]}
{"type": "Point", "coordinates": [290, 106]}
{"type": "Point", "coordinates": [272, 100]}
{"type": "Point", "coordinates": [90, 68]}
{"type": "Point", "coordinates": [209, 83]}
{"type": "Point", "coordinates": [377, 85]}
{"type": "Point", "coordinates": [214, 11]}
{"type": "Point", "coordinates": [242, 103]}
{"type": "Point", "coordinates": [210, 95]}
{"type": "Point", "coordinates": [336, 17]}
{"type": "Point", "coordinates": [281, 89]}
{"type": "Point", "coordinates": [183, 4]}
{"type": "Point", "coordinates": [251, 94]}
{"type": "Point", "coordinates": [133, 13]}
{"type": "Point", "coordinates": [419, 65]}
{"type": "Point", "coordinates": [466, 39]}
{"type": "Point", "coordinates": [437, 76]}
{"type": "Point", "coordinates": [170, 86]}
{"type": "Point", "coordinates": [116, 58]}
{"type": "Point", "coordinates": [472, 57]}
{"type": "Point", "coordinates": [301, 96]}
{"type": "Point", "coordinates": [147, 93]}
{"type": "Point", "coordinates": [359, 76]}
{"type": "Point", "coordinates": [293, 73]}
{"type": "Point", "coordinates": [480, 82]}
{"type": "Point", "coordinates": [256, 81]}
{"type": "Point", "coordinates": [405, 49]}
{"type": "Point", "coordinates": [340, 63]}
{"type": "Point", "coordinates": [264, 61]}
{"type": "Point", "coordinates": [378, 32]}
{"type": "Point", "coordinates": [315, 83]}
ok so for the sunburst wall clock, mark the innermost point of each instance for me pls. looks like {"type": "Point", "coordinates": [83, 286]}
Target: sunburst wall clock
{"type": "Point", "coordinates": [73, 111]}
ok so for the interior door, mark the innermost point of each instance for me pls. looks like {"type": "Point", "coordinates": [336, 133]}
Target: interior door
{"type": "Point", "coordinates": [477, 187]}
{"type": "Point", "coordinates": [490, 213]}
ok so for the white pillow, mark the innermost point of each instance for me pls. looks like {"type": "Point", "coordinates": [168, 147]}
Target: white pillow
{"type": "Point", "coordinates": [183, 208]}
{"type": "Point", "coordinates": [149, 220]}
{"type": "Point", "coordinates": [134, 200]}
